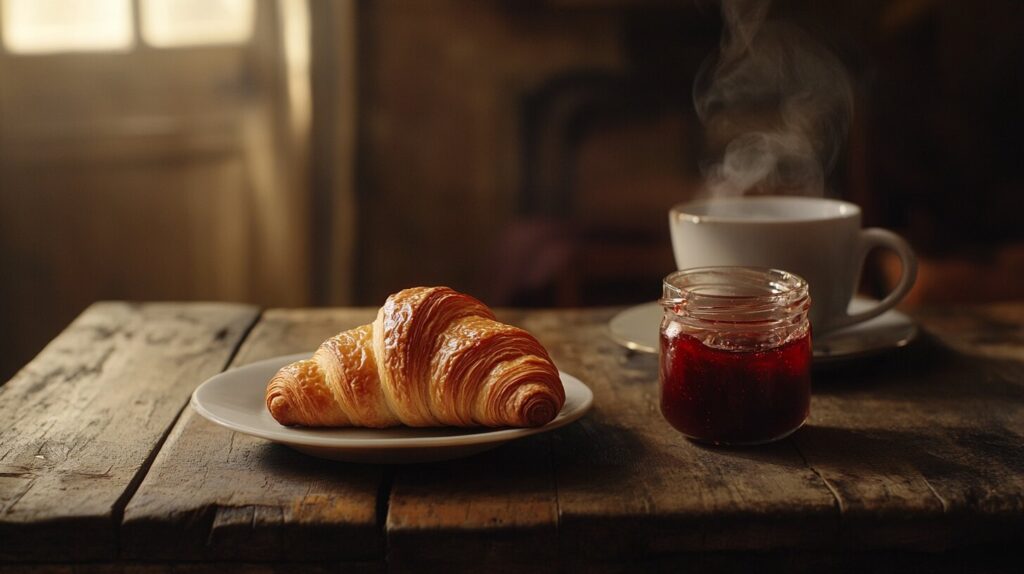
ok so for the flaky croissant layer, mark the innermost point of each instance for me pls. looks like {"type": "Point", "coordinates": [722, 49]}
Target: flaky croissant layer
{"type": "Point", "coordinates": [432, 357]}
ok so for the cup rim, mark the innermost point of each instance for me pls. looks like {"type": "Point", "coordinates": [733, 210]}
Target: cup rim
{"type": "Point", "coordinates": [680, 211]}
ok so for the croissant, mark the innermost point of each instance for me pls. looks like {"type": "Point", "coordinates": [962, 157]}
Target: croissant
{"type": "Point", "coordinates": [432, 357]}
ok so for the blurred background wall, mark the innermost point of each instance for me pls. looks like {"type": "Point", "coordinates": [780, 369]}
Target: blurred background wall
{"type": "Point", "coordinates": [298, 152]}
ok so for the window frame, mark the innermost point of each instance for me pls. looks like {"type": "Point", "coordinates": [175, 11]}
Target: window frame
{"type": "Point", "coordinates": [139, 42]}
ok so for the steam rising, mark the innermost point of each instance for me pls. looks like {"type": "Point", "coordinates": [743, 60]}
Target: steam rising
{"type": "Point", "coordinates": [778, 102]}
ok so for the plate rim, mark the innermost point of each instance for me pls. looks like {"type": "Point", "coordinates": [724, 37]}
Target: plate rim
{"type": "Point", "coordinates": [459, 440]}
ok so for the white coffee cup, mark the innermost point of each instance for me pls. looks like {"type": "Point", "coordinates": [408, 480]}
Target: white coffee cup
{"type": "Point", "coordinates": [819, 239]}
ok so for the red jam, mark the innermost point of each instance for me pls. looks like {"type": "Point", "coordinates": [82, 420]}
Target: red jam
{"type": "Point", "coordinates": [734, 397]}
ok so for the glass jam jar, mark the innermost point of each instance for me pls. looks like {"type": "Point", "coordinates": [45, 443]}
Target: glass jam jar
{"type": "Point", "coordinates": [735, 354]}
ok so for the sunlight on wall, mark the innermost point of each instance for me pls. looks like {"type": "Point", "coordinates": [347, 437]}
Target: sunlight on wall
{"type": "Point", "coordinates": [295, 30]}
{"type": "Point", "coordinates": [172, 23]}
{"type": "Point", "coordinates": [49, 26]}
{"type": "Point", "coordinates": [45, 26]}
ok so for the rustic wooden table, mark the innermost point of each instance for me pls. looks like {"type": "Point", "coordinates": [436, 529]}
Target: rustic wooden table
{"type": "Point", "coordinates": [916, 459]}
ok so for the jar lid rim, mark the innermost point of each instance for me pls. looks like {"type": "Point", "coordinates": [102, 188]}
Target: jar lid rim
{"type": "Point", "coordinates": [715, 291]}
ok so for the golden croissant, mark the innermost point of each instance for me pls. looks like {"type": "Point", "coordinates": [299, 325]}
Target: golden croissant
{"type": "Point", "coordinates": [432, 357]}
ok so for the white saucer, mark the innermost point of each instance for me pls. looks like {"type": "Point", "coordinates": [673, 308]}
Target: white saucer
{"type": "Point", "coordinates": [637, 328]}
{"type": "Point", "coordinates": [235, 399]}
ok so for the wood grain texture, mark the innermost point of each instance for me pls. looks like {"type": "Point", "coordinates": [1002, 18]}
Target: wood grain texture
{"type": "Point", "coordinates": [917, 452]}
{"type": "Point", "coordinates": [213, 494]}
{"type": "Point", "coordinates": [920, 451]}
{"type": "Point", "coordinates": [629, 485]}
{"type": "Point", "coordinates": [496, 512]}
{"type": "Point", "coordinates": [904, 456]}
{"type": "Point", "coordinates": [82, 419]}
{"type": "Point", "coordinates": [924, 449]}
{"type": "Point", "coordinates": [620, 483]}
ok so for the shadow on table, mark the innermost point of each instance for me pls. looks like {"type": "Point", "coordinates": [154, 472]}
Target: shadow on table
{"type": "Point", "coordinates": [925, 372]}
{"type": "Point", "coordinates": [875, 451]}
{"type": "Point", "coordinates": [777, 454]}
{"type": "Point", "coordinates": [279, 460]}
{"type": "Point", "coordinates": [596, 443]}
{"type": "Point", "coordinates": [921, 359]}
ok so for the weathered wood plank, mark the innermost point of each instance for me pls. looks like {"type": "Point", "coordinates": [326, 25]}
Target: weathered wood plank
{"type": "Point", "coordinates": [212, 494]}
{"type": "Point", "coordinates": [922, 451]}
{"type": "Point", "coordinates": [925, 449]}
{"type": "Point", "coordinates": [496, 511]}
{"type": "Point", "coordinates": [82, 418]}
{"type": "Point", "coordinates": [629, 485]}
{"type": "Point", "coordinates": [624, 482]}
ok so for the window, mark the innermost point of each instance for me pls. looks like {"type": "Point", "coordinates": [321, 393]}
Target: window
{"type": "Point", "coordinates": [42, 26]}
{"type": "Point", "coordinates": [49, 26]}
{"type": "Point", "coordinates": [171, 23]}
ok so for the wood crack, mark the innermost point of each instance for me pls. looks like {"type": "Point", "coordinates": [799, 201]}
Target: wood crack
{"type": "Point", "coordinates": [384, 507]}
{"type": "Point", "coordinates": [19, 496]}
{"type": "Point", "coordinates": [836, 498]}
{"type": "Point", "coordinates": [552, 461]}
{"type": "Point", "coordinates": [88, 416]}
{"type": "Point", "coordinates": [942, 501]}
{"type": "Point", "coordinates": [140, 474]}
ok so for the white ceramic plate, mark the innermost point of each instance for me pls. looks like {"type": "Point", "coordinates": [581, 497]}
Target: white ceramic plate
{"type": "Point", "coordinates": [235, 399]}
{"type": "Point", "coordinates": [637, 328]}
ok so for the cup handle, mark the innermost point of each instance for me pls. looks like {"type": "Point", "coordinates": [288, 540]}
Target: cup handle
{"type": "Point", "coordinates": [870, 239]}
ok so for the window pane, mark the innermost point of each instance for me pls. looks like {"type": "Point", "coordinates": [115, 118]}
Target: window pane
{"type": "Point", "coordinates": [41, 26]}
{"type": "Point", "coordinates": [169, 23]}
